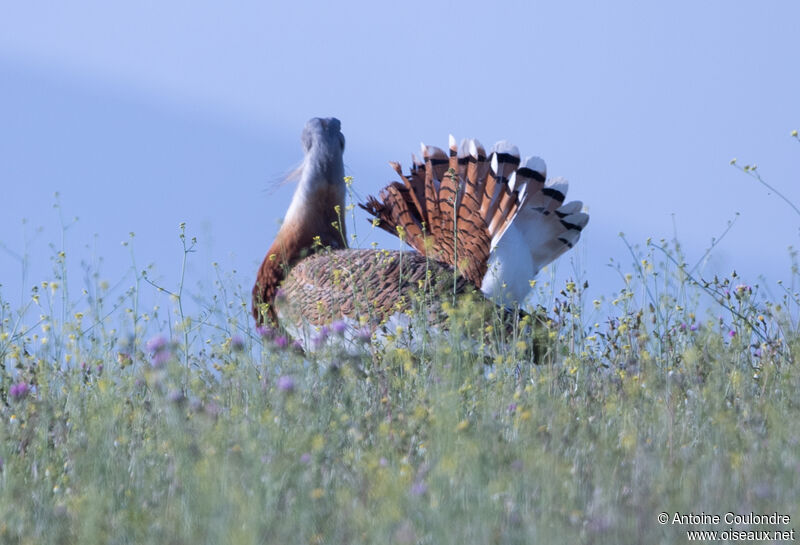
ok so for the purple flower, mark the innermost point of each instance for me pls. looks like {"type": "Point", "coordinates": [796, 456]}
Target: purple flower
{"type": "Point", "coordinates": [160, 358]}
{"type": "Point", "coordinates": [731, 333]}
{"type": "Point", "coordinates": [237, 343]}
{"type": "Point", "coordinates": [694, 327]}
{"type": "Point", "coordinates": [512, 407]}
{"type": "Point", "coordinates": [265, 331]}
{"type": "Point", "coordinates": [159, 350]}
{"type": "Point", "coordinates": [99, 368]}
{"type": "Point", "coordinates": [281, 342]}
{"type": "Point", "coordinates": [212, 409]}
{"type": "Point", "coordinates": [286, 384]}
{"type": "Point", "coordinates": [743, 290]}
{"type": "Point", "coordinates": [364, 335]}
{"type": "Point", "coordinates": [339, 327]}
{"type": "Point", "coordinates": [683, 326]}
{"type": "Point", "coordinates": [159, 342]}
{"type": "Point", "coordinates": [383, 462]}
{"type": "Point", "coordinates": [419, 488]}
{"type": "Point", "coordinates": [175, 396]}
{"type": "Point", "coordinates": [305, 458]}
{"type": "Point", "coordinates": [19, 391]}
{"type": "Point", "coordinates": [317, 341]}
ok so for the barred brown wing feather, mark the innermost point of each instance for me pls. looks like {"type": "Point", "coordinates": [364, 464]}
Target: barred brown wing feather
{"type": "Point", "coordinates": [364, 285]}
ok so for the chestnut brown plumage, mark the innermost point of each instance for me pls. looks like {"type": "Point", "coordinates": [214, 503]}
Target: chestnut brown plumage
{"type": "Point", "coordinates": [474, 222]}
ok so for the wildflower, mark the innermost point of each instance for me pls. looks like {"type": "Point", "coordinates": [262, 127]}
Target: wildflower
{"type": "Point", "coordinates": [794, 133]}
{"type": "Point", "coordinates": [124, 359]}
{"type": "Point", "coordinates": [160, 358]}
{"type": "Point", "coordinates": [157, 343]}
{"type": "Point", "coordinates": [265, 332]}
{"type": "Point", "coordinates": [237, 343]}
{"type": "Point", "coordinates": [317, 341]}
{"type": "Point", "coordinates": [383, 462]}
{"type": "Point", "coordinates": [694, 327]}
{"type": "Point", "coordinates": [364, 335]}
{"type": "Point", "coordinates": [212, 409]}
{"type": "Point", "coordinates": [731, 333]}
{"type": "Point", "coordinates": [317, 493]}
{"type": "Point", "coordinates": [339, 327]}
{"type": "Point", "coordinates": [305, 458]}
{"type": "Point", "coordinates": [159, 351]}
{"type": "Point", "coordinates": [99, 369]}
{"type": "Point", "coordinates": [419, 488]}
{"type": "Point", "coordinates": [683, 326]}
{"type": "Point", "coordinates": [281, 342]}
{"type": "Point", "coordinates": [512, 407]}
{"type": "Point", "coordinates": [286, 384]}
{"type": "Point", "coordinates": [19, 391]}
{"type": "Point", "coordinates": [176, 397]}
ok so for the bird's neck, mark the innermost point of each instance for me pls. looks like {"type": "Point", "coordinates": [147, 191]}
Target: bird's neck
{"type": "Point", "coordinates": [314, 221]}
{"type": "Point", "coordinates": [315, 217]}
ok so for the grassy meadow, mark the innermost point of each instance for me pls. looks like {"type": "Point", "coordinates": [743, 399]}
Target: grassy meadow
{"type": "Point", "coordinates": [122, 424]}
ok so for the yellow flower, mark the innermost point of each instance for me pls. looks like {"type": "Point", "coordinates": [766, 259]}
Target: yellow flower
{"type": "Point", "coordinates": [317, 493]}
{"type": "Point", "coordinates": [464, 424]}
{"type": "Point", "coordinates": [628, 441]}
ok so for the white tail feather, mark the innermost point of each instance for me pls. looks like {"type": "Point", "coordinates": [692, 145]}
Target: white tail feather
{"type": "Point", "coordinates": [544, 226]}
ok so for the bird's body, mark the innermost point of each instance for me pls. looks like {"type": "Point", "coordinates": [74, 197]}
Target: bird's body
{"type": "Point", "coordinates": [474, 222]}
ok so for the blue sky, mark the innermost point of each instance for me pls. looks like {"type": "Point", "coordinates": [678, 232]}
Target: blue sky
{"type": "Point", "coordinates": [144, 115]}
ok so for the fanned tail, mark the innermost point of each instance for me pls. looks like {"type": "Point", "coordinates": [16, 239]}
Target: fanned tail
{"type": "Point", "coordinates": [493, 218]}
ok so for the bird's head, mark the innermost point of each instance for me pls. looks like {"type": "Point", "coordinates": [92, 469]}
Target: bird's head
{"type": "Point", "coordinates": [323, 143]}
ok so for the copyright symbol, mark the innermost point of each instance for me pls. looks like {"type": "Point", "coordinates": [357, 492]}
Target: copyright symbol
{"type": "Point", "coordinates": [663, 518]}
